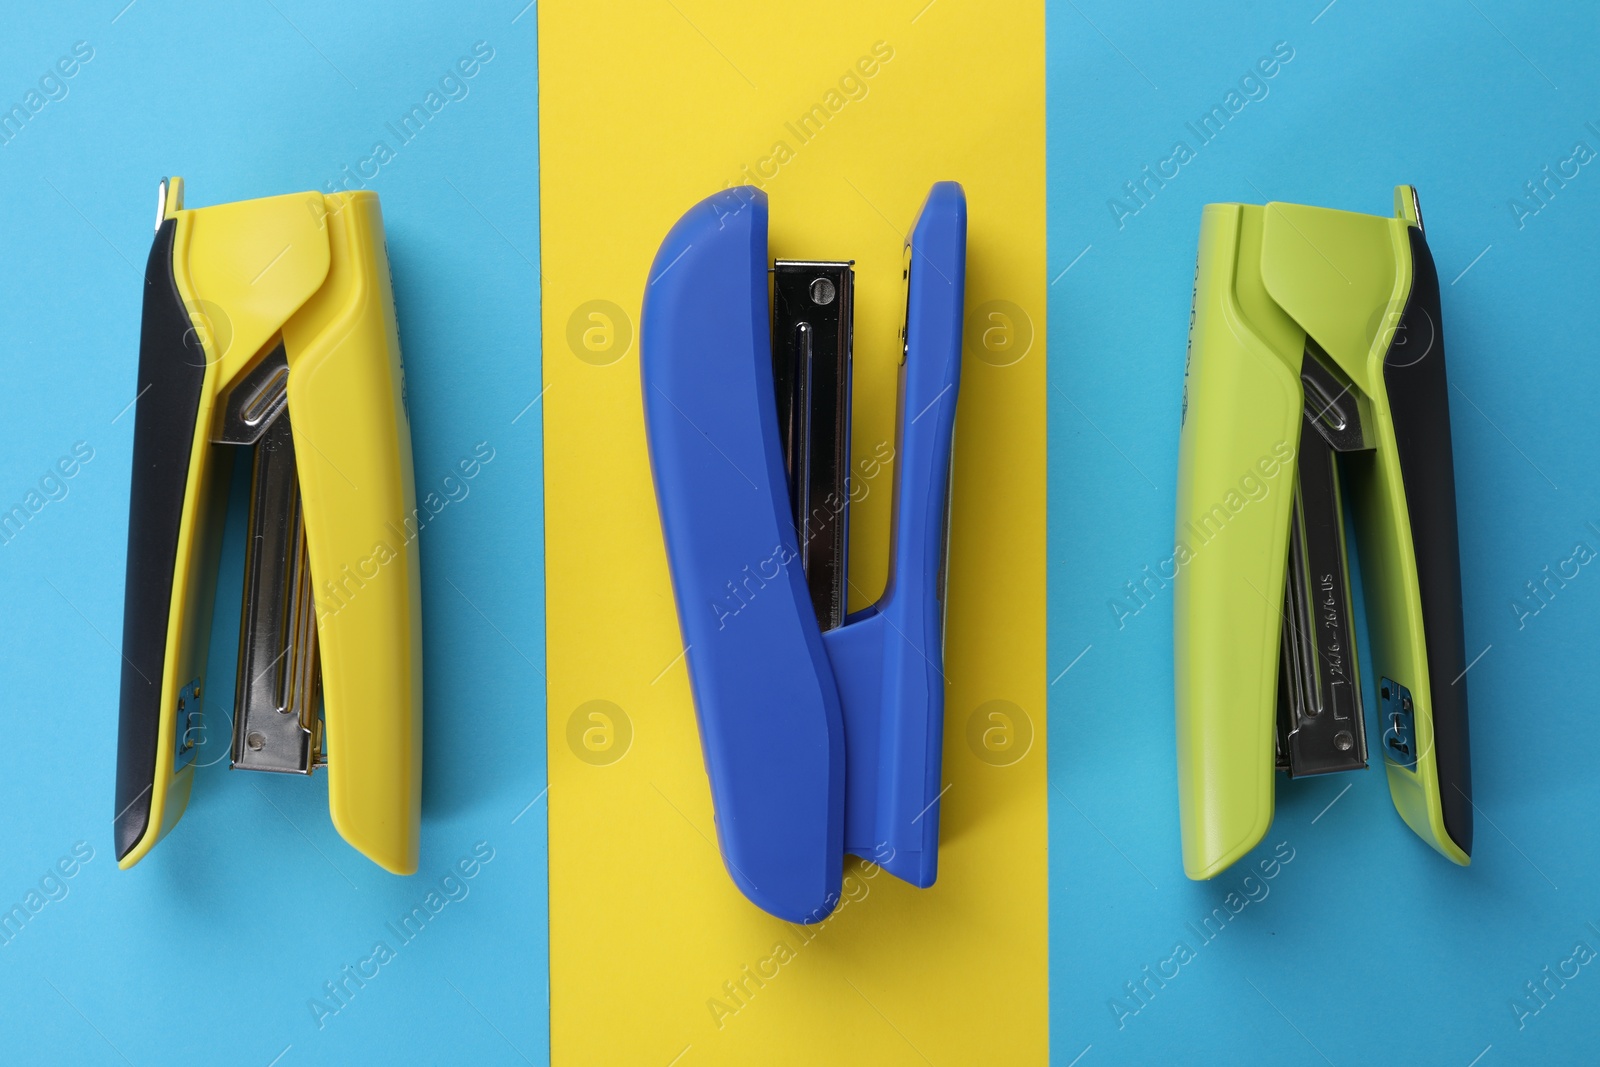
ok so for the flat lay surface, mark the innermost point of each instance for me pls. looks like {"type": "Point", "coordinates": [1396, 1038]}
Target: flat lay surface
{"type": "Point", "coordinates": [570, 902]}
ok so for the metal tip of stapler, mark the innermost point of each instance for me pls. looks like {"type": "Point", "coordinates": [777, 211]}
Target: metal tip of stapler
{"type": "Point", "coordinates": [1316, 368]}
{"type": "Point", "coordinates": [161, 203]}
{"type": "Point", "coordinates": [821, 732]}
{"type": "Point", "coordinates": [266, 327]}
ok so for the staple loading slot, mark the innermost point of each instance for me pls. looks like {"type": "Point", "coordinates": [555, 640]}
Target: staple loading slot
{"type": "Point", "coordinates": [1320, 724]}
{"type": "Point", "coordinates": [275, 723]}
{"type": "Point", "coordinates": [812, 333]}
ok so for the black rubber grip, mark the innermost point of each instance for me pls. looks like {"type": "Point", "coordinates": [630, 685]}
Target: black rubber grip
{"type": "Point", "coordinates": [172, 370]}
{"type": "Point", "coordinates": [1419, 399]}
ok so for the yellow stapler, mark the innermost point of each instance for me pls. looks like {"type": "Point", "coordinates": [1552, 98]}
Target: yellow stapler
{"type": "Point", "coordinates": [269, 324]}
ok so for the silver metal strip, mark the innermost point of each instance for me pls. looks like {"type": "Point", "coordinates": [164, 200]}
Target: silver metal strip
{"type": "Point", "coordinates": [255, 401]}
{"type": "Point", "coordinates": [276, 726]}
{"type": "Point", "coordinates": [812, 334]}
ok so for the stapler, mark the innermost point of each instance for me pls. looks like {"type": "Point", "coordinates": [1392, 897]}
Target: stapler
{"type": "Point", "coordinates": [269, 325]}
{"type": "Point", "coordinates": [1316, 369]}
{"type": "Point", "coordinates": [822, 732]}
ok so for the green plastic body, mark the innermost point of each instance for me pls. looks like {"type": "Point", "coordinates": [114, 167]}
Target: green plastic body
{"type": "Point", "coordinates": [1265, 278]}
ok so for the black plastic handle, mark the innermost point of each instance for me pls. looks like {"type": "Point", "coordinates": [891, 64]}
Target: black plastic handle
{"type": "Point", "coordinates": [1419, 399]}
{"type": "Point", "coordinates": [172, 370]}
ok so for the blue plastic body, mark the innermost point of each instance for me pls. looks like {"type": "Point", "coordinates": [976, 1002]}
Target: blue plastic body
{"type": "Point", "coordinates": [816, 744]}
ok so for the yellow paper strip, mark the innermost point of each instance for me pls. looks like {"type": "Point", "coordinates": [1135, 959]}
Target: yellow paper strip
{"type": "Point", "coordinates": [845, 115]}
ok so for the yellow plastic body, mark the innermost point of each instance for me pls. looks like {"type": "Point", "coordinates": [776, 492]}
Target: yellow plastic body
{"type": "Point", "coordinates": [1266, 277]}
{"type": "Point", "coordinates": [312, 271]}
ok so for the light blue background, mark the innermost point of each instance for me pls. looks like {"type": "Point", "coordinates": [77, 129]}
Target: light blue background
{"type": "Point", "coordinates": [211, 948]}
{"type": "Point", "coordinates": [1369, 948]}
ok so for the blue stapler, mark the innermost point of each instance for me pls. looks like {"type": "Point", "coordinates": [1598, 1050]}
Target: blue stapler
{"type": "Point", "coordinates": [822, 732]}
